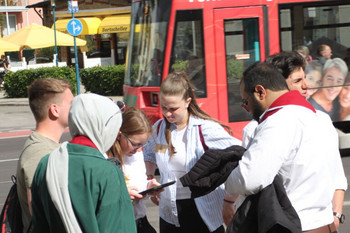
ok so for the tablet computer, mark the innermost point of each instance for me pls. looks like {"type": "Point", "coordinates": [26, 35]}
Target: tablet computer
{"type": "Point", "coordinates": [151, 190]}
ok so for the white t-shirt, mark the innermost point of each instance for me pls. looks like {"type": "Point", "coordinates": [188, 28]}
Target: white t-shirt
{"type": "Point", "coordinates": [177, 163]}
{"type": "Point", "coordinates": [135, 174]}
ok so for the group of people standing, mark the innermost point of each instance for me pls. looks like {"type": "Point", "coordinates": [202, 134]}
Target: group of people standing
{"type": "Point", "coordinates": [73, 187]}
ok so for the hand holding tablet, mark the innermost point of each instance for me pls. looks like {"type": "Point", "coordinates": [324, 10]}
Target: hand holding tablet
{"type": "Point", "coordinates": [159, 187]}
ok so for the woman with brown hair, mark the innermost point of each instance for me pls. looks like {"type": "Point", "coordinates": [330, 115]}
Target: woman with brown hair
{"type": "Point", "coordinates": [133, 134]}
{"type": "Point", "coordinates": [179, 140]}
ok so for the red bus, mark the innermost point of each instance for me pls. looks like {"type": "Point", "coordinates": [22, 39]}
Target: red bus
{"type": "Point", "coordinates": [213, 41]}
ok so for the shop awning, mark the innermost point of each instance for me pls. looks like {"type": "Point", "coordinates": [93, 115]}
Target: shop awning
{"type": "Point", "coordinates": [90, 25]}
{"type": "Point", "coordinates": [115, 24]}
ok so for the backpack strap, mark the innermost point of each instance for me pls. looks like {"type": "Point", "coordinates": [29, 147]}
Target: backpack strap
{"type": "Point", "coordinates": [202, 138]}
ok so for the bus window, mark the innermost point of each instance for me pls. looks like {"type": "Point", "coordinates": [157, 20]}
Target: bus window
{"type": "Point", "coordinates": [242, 50]}
{"type": "Point", "coordinates": [188, 49]}
{"type": "Point", "coordinates": [149, 24]}
{"type": "Point", "coordinates": [315, 25]}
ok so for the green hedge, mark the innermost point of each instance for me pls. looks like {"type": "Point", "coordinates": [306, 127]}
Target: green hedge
{"type": "Point", "coordinates": [16, 83]}
{"type": "Point", "coordinates": [104, 80]}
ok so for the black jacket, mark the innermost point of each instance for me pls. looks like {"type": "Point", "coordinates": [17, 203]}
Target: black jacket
{"type": "Point", "coordinates": [211, 170]}
{"type": "Point", "coordinates": [268, 211]}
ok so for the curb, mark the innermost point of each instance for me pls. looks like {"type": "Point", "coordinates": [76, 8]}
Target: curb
{"type": "Point", "coordinates": [23, 133]}
{"type": "Point", "coordinates": [25, 102]}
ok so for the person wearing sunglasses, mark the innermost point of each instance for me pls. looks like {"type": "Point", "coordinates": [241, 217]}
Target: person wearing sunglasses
{"type": "Point", "coordinates": [292, 65]}
{"type": "Point", "coordinates": [133, 134]}
{"type": "Point", "coordinates": [294, 142]}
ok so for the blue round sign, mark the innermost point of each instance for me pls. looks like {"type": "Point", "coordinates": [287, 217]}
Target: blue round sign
{"type": "Point", "coordinates": [74, 27]}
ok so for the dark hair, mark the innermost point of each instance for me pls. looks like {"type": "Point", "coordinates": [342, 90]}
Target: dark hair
{"type": "Point", "coordinates": [264, 74]}
{"type": "Point", "coordinates": [287, 62]}
{"type": "Point", "coordinates": [177, 84]}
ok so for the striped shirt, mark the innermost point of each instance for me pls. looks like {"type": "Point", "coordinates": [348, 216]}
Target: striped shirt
{"type": "Point", "coordinates": [156, 151]}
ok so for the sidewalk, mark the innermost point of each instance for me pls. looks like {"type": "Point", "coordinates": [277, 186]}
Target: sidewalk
{"type": "Point", "coordinates": [17, 118]}
{"type": "Point", "coordinates": [4, 101]}
{"type": "Point", "coordinates": [12, 101]}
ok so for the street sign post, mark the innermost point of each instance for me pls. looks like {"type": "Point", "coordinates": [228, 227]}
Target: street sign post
{"type": "Point", "coordinates": [75, 27]}
{"type": "Point", "coordinates": [73, 7]}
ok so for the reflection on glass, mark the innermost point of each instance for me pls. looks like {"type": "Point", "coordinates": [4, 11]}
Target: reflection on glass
{"type": "Point", "coordinates": [188, 51]}
{"type": "Point", "coordinates": [242, 49]}
{"type": "Point", "coordinates": [326, 98]}
{"type": "Point", "coordinates": [147, 42]}
{"type": "Point", "coordinates": [313, 74]}
{"type": "Point", "coordinates": [344, 100]}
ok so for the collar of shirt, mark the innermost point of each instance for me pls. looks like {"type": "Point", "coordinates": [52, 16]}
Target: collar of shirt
{"type": "Point", "coordinates": [84, 141]}
{"type": "Point", "coordinates": [289, 98]}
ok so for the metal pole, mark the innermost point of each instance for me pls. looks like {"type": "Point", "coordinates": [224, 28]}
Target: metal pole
{"type": "Point", "coordinates": [54, 28]}
{"type": "Point", "coordinates": [76, 62]}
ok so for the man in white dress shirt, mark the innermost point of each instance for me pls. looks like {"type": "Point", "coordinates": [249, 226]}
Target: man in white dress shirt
{"type": "Point", "coordinates": [292, 141]}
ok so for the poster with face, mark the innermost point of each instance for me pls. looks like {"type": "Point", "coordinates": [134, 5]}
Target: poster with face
{"type": "Point", "coordinates": [328, 88]}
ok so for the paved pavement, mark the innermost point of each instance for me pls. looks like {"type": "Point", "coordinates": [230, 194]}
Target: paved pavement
{"type": "Point", "coordinates": [16, 118]}
{"type": "Point", "coordinates": [5, 101]}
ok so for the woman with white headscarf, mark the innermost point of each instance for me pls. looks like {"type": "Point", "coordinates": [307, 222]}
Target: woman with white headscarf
{"type": "Point", "coordinates": [75, 189]}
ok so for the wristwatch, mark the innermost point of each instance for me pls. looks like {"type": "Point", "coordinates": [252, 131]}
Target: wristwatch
{"type": "Point", "coordinates": [340, 216]}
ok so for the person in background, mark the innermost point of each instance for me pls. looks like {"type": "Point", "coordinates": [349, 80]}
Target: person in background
{"type": "Point", "coordinates": [324, 53]}
{"type": "Point", "coordinates": [303, 161]}
{"type": "Point", "coordinates": [75, 188]}
{"type": "Point", "coordinates": [304, 52]}
{"type": "Point", "coordinates": [178, 142]}
{"type": "Point", "coordinates": [49, 100]}
{"type": "Point", "coordinates": [133, 134]}
{"type": "Point", "coordinates": [325, 99]}
{"type": "Point", "coordinates": [344, 100]}
{"type": "Point", "coordinates": [4, 64]}
{"type": "Point", "coordinates": [313, 75]}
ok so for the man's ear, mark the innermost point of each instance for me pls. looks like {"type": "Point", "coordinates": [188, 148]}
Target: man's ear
{"type": "Point", "coordinates": [260, 92]}
{"type": "Point", "coordinates": [54, 111]}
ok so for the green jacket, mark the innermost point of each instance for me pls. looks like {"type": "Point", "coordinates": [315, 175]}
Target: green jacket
{"type": "Point", "coordinates": [98, 194]}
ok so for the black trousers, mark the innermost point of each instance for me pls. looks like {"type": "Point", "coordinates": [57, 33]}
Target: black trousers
{"type": "Point", "coordinates": [143, 226]}
{"type": "Point", "coordinates": [189, 219]}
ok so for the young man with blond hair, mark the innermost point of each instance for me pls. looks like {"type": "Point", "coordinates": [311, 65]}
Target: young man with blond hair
{"type": "Point", "coordinates": [49, 100]}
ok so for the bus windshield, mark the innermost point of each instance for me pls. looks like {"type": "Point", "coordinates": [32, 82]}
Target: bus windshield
{"type": "Point", "coordinates": [148, 32]}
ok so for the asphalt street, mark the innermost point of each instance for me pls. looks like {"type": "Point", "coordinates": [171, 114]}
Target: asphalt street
{"type": "Point", "coordinates": [17, 122]}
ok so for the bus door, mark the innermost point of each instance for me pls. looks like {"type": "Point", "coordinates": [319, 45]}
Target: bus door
{"type": "Point", "coordinates": [240, 40]}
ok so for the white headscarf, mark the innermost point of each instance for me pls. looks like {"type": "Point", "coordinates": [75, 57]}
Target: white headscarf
{"type": "Point", "coordinates": [95, 117]}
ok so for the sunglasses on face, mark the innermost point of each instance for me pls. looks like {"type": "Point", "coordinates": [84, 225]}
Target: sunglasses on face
{"type": "Point", "coordinates": [245, 104]}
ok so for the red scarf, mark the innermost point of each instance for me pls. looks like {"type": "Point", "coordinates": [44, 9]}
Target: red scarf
{"type": "Point", "coordinates": [289, 98]}
{"type": "Point", "coordinates": [84, 141]}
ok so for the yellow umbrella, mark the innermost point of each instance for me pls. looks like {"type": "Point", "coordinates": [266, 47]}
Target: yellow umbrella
{"type": "Point", "coordinates": [8, 46]}
{"type": "Point", "coordinates": [36, 36]}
